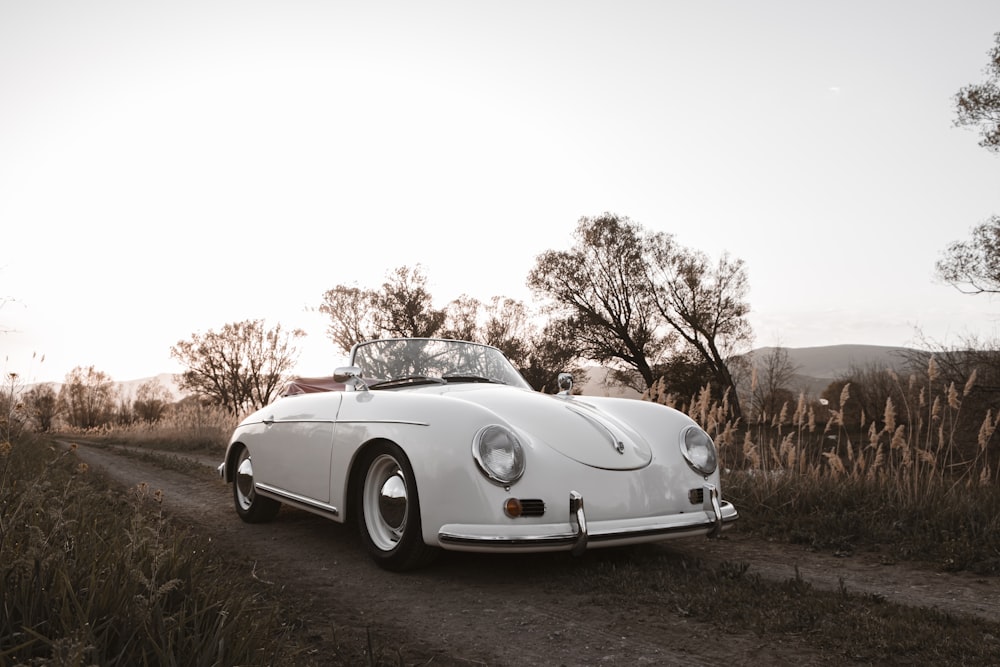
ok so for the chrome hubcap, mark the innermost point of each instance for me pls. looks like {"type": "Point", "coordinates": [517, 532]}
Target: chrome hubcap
{"type": "Point", "coordinates": [385, 502]}
{"type": "Point", "coordinates": [244, 481]}
{"type": "Point", "coordinates": [392, 502]}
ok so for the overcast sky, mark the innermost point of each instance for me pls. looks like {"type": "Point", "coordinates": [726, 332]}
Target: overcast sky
{"type": "Point", "coordinates": [169, 167]}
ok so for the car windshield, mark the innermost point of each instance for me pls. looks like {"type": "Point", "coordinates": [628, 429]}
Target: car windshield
{"type": "Point", "coordinates": [434, 359]}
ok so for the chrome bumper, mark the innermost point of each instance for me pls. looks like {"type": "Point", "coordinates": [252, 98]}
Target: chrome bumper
{"type": "Point", "coordinates": [578, 517]}
{"type": "Point", "coordinates": [716, 515]}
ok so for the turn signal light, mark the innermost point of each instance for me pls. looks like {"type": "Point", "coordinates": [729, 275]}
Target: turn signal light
{"type": "Point", "coordinates": [512, 508]}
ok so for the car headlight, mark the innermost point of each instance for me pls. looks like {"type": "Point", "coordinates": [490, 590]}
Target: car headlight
{"type": "Point", "coordinates": [699, 450]}
{"type": "Point", "coordinates": [499, 454]}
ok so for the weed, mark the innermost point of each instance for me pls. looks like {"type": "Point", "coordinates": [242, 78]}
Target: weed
{"type": "Point", "coordinates": [909, 480]}
{"type": "Point", "coordinates": [91, 576]}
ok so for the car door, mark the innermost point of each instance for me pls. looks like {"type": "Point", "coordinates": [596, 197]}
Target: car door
{"type": "Point", "coordinates": [299, 436]}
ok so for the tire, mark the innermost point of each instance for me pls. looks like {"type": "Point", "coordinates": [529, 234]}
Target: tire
{"type": "Point", "coordinates": [388, 510]}
{"type": "Point", "coordinates": [250, 506]}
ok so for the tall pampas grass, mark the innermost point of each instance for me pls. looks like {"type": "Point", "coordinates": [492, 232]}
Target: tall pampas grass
{"type": "Point", "coordinates": [920, 478]}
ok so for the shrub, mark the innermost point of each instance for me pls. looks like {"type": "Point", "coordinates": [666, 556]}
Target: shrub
{"type": "Point", "coordinates": [188, 426]}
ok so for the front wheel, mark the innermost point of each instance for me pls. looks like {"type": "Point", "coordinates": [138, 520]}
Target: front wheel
{"type": "Point", "coordinates": [388, 510]}
{"type": "Point", "coordinates": [250, 506]}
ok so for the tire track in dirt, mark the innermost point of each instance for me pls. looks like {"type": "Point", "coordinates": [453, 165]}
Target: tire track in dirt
{"type": "Point", "coordinates": [957, 593]}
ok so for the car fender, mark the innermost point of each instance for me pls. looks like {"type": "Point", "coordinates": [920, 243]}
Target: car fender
{"type": "Point", "coordinates": [436, 435]}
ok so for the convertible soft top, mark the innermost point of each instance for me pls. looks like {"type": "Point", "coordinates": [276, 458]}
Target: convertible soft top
{"type": "Point", "coordinates": [312, 386]}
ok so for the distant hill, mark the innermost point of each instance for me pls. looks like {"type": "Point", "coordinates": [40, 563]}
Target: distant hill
{"type": "Point", "coordinates": [832, 361]}
{"type": "Point", "coordinates": [816, 367]}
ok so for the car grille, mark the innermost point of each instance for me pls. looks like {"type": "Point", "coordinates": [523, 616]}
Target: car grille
{"type": "Point", "coordinates": [696, 496]}
{"type": "Point", "coordinates": [532, 507]}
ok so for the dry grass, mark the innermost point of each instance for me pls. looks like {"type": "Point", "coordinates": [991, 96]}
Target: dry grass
{"type": "Point", "coordinates": [186, 427]}
{"type": "Point", "coordinates": [93, 576]}
{"type": "Point", "coordinates": [911, 481]}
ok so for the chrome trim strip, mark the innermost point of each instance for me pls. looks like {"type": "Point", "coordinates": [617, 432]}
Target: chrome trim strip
{"type": "Point", "coordinates": [344, 421]}
{"type": "Point", "coordinates": [617, 444]}
{"type": "Point", "coordinates": [562, 539]}
{"type": "Point", "coordinates": [569, 539]}
{"type": "Point", "coordinates": [381, 421]}
{"type": "Point", "coordinates": [295, 498]}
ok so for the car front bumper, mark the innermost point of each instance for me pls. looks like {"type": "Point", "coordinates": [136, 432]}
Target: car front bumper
{"type": "Point", "coordinates": [576, 536]}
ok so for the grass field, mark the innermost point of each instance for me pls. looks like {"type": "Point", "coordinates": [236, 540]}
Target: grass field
{"type": "Point", "coordinates": [97, 575]}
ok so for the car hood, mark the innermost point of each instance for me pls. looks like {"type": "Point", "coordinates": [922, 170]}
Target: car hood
{"type": "Point", "coordinates": [572, 426]}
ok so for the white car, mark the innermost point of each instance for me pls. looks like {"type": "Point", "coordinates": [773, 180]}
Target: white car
{"type": "Point", "coordinates": [431, 444]}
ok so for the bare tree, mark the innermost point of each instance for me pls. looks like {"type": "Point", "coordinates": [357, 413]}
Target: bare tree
{"type": "Point", "coordinates": [42, 405]}
{"type": "Point", "coordinates": [241, 367]}
{"type": "Point", "coordinates": [773, 372]}
{"type": "Point", "coordinates": [403, 306]}
{"type": "Point", "coordinates": [551, 352]}
{"type": "Point", "coordinates": [508, 328]}
{"type": "Point", "coordinates": [601, 295]}
{"type": "Point", "coordinates": [507, 324]}
{"type": "Point", "coordinates": [352, 315]}
{"type": "Point", "coordinates": [152, 399]}
{"type": "Point", "coordinates": [462, 319]}
{"type": "Point", "coordinates": [87, 398]}
{"type": "Point", "coordinates": [631, 298]}
{"type": "Point", "coordinates": [124, 414]}
{"type": "Point", "coordinates": [704, 303]}
{"type": "Point", "coordinates": [973, 266]}
{"type": "Point", "coordinates": [684, 374]}
{"type": "Point", "coordinates": [978, 105]}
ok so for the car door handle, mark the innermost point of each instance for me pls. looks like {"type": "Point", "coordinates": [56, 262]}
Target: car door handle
{"type": "Point", "coordinates": [269, 420]}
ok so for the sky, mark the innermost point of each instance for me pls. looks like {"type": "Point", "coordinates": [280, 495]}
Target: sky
{"type": "Point", "coordinates": [170, 167]}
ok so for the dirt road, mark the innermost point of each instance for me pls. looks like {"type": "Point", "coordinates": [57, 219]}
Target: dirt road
{"type": "Point", "coordinates": [470, 609]}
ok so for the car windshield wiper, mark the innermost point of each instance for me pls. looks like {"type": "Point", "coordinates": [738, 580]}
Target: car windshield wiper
{"type": "Point", "coordinates": [406, 380]}
{"type": "Point", "coordinates": [470, 378]}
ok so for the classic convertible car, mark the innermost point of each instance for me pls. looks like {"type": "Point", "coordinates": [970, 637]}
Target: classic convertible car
{"type": "Point", "coordinates": [431, 443]}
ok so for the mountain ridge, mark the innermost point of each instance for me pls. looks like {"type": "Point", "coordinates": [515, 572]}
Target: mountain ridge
{"type": "Point", "coordinates": [815, 367]}
{"type": "Point", "coordinates": [832, 361]}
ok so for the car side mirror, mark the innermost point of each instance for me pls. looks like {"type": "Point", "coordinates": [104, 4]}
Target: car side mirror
{"type": "Point", "coordinates": [565, 383]}
{"type": "Point", "coordinates": [351, 377]}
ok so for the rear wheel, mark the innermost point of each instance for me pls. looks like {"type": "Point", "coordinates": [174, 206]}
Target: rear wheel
{"type": "Point", "coordinates": [250, 506]}
{"type": "Point", "coordinates": [388, 510]}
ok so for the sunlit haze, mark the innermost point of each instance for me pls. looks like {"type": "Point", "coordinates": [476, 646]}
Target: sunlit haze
{"type": "Point", "coordinates": [169, 167]}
